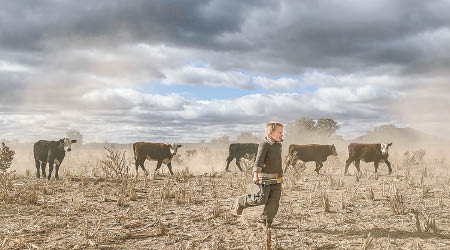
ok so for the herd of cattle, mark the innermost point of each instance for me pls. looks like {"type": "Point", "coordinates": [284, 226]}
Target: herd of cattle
{"type": "Point", "coordinates": [53, 152]}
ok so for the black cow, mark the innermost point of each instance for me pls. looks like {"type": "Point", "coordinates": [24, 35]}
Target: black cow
{"type": "Point", "coordinates": [375, 153]}
{"type": "Point", "coordinates": [239, 150]}
{"type": "Point", "coordinates": [310, 152]}
{"type": "Point", "coordinates": [52, 152]}
{"type": "Point", "coordinates": [160, 152]}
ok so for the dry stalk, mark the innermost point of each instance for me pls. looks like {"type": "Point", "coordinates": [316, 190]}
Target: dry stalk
{"type": "Point", "coordinates": [216, 209]}
{"type": "Point", "coordinates": [368, 242]}
{"type": "Point", "coordinates": [430, 223]}
{"type": "Point", "coordinates": [161, 227]}
{"type": "Point", "coordinates": [397, 203]}
{"type": "Point", "coordinates": [325, 202]}
{"type": "Point", "coordinates": [33, 197]}
{"type": "Point", "coordinates": [122, 196]}
{"type": "Point", "coordinates": [415, 213]}
{"type": "Point", "coordinates": [370, 194]}
{"type": "Point", "coordinates": [425, 191]}
{"type": "Point", "coordinates": [133, 195]}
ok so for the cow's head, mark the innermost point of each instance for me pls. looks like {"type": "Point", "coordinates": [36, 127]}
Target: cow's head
{"type": "Point", "coordinates": [385, 148]}
{"type": "Point", "coordinates": [174, 148]}
{"type": "Point", "coordinates": [66, 144]}
{"type": "Point", "coordinates": [333, 150]}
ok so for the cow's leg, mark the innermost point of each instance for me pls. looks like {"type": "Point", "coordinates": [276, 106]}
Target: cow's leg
{"type": "Point", "coordinates": [318, 167]}
{"type": "Point", "coordinates": [43, 165]}
{"type": "Point", "coordinates": [357, 165]}
{"type": "Point", "coordinates": [238, 163]}
{"type": "Point", "coordinates": [38, 168]}
{"type": "Point", "coordinates": [136, 164]}
{"type": "Point", "coordinates": [229, 159]}
{"type": "Point", "coordinates": [169, 166]}
{"type": "Point", "coordinates": [347, 163]}
{"type": "Point", "coordinates": [158, 166]}
{"type": "Point", "coordinates": [56, 171]}
{"type": "Point", "coordinates": [50, 169]}
{"type": "Point", "coordinates": [140, 162]}
{"type": "Point", "coordinates": [389, 166]}
{"type": "Point", "coordinates": [375, 164]}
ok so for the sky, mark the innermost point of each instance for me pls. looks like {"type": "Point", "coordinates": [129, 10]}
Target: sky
{"type": "Point", "coordinates": [187, 70]}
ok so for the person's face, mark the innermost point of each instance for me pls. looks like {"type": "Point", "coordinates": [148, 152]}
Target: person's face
{"type": "Point", "coordinates": [277, 134]}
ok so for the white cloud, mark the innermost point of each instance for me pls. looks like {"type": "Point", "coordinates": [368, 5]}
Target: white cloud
{"type": "Point", "coordinates": [13, 67]}
{"type": "Point", "coordinates": [207, 76]}
{"type": "Point", "coordinates": [124, 98]}
{"type": "Point", "coordinates": [280, 83]}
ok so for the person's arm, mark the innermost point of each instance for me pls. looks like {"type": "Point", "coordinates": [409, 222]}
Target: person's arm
{"type": "Point", "coordinates": [259, 163]}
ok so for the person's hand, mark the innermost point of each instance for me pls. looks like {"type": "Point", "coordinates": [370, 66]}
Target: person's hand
{"type": "Point", "coordinates": [255, 178]}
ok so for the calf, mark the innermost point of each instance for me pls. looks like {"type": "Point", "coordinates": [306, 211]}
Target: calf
{"type": "Point", "coordinates": [310, 152]}
{"type": "Point", "coordinates": [160, 152]}
{"type": "Point", "coordinates": [238, 150]}
{"type": "Point", "coordinates": [52, 152]}
{"type": "Point", "coordinates": [375, 153]}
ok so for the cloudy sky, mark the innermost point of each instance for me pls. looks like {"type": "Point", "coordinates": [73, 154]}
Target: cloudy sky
{"type": "Point", "coordinates": [122, 71]}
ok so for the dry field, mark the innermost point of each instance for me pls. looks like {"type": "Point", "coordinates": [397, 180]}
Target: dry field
{"type": "Point", "coordinates": [99, 205]}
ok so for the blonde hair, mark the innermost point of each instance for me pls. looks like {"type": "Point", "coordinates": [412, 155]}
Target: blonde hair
{"type": "Point", "coordinates": [271, 126]}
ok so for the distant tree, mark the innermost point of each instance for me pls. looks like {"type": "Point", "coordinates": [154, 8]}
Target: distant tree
{"type": "Point", "coordinates": [326, 126]}
{"type": "Point", "coordinates": [75, 135]}
{"type": "Point", "coordinates": [307, 127]}
{"type": "Point", "coordinates": [300, 126]}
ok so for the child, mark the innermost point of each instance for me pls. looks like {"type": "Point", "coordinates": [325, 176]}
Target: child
{"type": "Point", "coordinates": [267, 174]}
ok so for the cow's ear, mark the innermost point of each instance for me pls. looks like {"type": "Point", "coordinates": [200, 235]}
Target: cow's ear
{"type": "Point", "coordinates": [61, 140]}
{"type": "Point", "coordinates": [179, 146]}
{"type": "Point", "coordinates": [390, 144]}
{"type": "Point", "coordinates": [74, 141]}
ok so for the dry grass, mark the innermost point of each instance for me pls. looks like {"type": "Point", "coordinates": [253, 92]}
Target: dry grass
{"type": "Point", "coordinates": [89, 209]}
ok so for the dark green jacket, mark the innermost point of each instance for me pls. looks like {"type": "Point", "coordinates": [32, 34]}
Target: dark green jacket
{"type": "Point", "coordinates": [268, 160]}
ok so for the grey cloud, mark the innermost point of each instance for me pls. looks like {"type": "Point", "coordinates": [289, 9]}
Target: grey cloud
{"type": "Point", "coordinates": [280, 36]}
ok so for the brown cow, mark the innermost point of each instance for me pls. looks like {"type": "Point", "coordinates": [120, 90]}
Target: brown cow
{"type": "Point", "coordinates": [375, 153]}
{"type": "Point", "coordinates": [160, 152]}
{"type": "Point", "coordinates": [310, 152]}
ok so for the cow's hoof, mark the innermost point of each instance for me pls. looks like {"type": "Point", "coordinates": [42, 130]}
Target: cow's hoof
{"type": "Point", "coordinates": [227, 170]}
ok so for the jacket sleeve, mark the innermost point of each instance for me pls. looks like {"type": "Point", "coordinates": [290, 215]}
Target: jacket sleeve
{"type": "Point", "coordinates": [260, 156]}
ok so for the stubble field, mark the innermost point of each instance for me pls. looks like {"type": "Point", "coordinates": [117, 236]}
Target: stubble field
{"type": "Point", "coordinates": [94, 206]}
